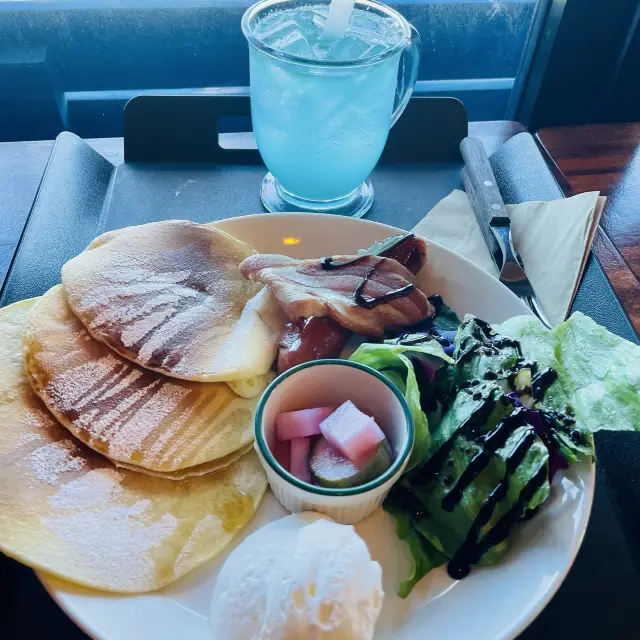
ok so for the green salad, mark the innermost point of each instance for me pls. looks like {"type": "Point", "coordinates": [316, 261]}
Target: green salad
{"type": "Point", "coordinates": [498, 411]}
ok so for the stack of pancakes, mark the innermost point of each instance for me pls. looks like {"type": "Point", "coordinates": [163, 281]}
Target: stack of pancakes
{"type": "Point", "coordinates": [150, 355]}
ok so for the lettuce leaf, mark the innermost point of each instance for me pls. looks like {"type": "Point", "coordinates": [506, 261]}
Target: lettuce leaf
{"type": "Point", "coordinates": [476, 353]}
{"type": "Point", "coordinates": [416, 502]}
{"type": "Point", "coordinates": [424, 555]}
{"type": "Point", "coordinates": [483, 352]}
{"type": "Point", "coordinates": [394, 361]}
{"type": "Point", "coordinates": [597, 387]}
{"type": "Point", "coordinates": [598, 372]}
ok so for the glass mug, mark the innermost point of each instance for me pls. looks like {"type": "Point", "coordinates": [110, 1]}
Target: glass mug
{"type": "Point", "coordinates": [321, 125]}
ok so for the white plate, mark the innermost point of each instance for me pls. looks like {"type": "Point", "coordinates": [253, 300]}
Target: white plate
{"type": "Point", "coordinates": [494, 602]}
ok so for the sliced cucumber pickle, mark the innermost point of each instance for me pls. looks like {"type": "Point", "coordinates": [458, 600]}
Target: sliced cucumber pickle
{"type": "Point", "coordinates": [332, 470]}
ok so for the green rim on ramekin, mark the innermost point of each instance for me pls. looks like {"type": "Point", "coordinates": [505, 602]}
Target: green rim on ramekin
{"type": "Point", "coordinates": [324, 491]}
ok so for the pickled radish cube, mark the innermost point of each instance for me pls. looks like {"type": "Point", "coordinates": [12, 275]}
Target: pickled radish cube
{"type": "Point", "coordinates": [300, 459]}
{"type": "Point", "coordinates": [355, 434]}
{"type": "Point", "coordinates": [302, 423]}
{"type": "Point", "coordinates": [282, 453]}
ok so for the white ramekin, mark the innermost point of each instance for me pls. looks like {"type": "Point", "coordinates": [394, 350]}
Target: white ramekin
{"type": "Point", "coordinates": [321, 383]}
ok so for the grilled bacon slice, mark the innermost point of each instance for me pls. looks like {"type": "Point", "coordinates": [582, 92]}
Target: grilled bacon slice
{"type": "Point", "coordinates": [304, 288]}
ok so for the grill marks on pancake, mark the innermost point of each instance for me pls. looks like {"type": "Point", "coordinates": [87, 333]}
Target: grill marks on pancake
{"type": "Point", "coordinates": [70, 513]}
{"type": "Point", "coordinates": [133, 415]}
{"type": "Point", "coordinates": [109, 404]}
{"type": "Point", "coordinates": [169, 448]}
{"type": "Point", "coordinates": [169, 297]}
{"type": "Point", "coordinates": [128, 410]}
{"type": "Point", "coordinates": [161, 321]}
{"type": "Point", "coordinates": [140, 424]}
{"type": "Point", "coordinates": [153, 309]}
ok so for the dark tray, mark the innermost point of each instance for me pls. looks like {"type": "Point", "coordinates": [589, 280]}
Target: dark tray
{"type": "Point", "coordinates": [175, 168]}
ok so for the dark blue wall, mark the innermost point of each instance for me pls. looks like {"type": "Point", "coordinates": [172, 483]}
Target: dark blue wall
{"type": "Point", "coordinates": [53, 60]}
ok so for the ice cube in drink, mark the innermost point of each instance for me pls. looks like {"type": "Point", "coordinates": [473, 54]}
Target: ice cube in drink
{"type": "Point", "coordinates": [321, 128]}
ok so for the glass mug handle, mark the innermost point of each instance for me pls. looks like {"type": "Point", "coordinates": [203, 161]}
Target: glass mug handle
{"type": "Point", "coordinates": [408, 74]}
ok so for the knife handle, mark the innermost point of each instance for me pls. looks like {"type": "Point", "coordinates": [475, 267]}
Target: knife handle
{"type": "Point", "coordinates": [483, 190]}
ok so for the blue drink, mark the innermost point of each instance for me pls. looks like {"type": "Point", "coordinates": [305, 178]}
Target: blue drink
{"type": "Point", "coordinates": [322, 111]}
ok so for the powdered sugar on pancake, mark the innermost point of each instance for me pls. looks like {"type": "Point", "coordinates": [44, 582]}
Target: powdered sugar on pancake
{"type": "Point", "coordinates": [50, 461]}
{"type": "Point", "coordinates": [65, 510]}
{"type": "Point", "coordinates": [131, 414]}
{"type": "Point", "coordinates": [116, 539]}
{"type": "Point", "coordinates": [168, 296]}
{"type": "Point", "coordinates": [158, 408]}
{"type": "Point", "coordinates": [93, 489]}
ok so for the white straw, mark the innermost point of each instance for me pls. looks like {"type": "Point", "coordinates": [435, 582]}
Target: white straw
{"type": "Point", "coordinates": [337, 20]}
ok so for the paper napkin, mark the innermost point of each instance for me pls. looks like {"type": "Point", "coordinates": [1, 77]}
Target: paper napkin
{"type": "Point", "coordinates": [553, 238]}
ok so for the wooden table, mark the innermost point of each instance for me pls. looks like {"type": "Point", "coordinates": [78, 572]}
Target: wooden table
{"type": "Point", "coordinates": [606, 158]}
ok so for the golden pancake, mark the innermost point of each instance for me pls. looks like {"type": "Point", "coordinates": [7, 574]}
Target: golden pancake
{"type": "Point", "coordinates": [169, 296]}
{"type": "Point", "coordinates": [66, 510]}
{"type": "Point", "coordinates": [126, 412]}
{"type": "Point", "coordinates": [190, 472]}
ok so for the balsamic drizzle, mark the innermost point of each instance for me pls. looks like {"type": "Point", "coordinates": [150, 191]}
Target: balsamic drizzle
{"type": "Point", "coordinates": [371, 303]}
{"type": "Point", "coordinates": [503, 342]}
{"type": "Point", "coordinates": [416, 338]}
{"type": "Point", "coordinates": [482, 339]}
{"type": "Point", "coordinates": [485, 326]}
{"type": "Point", "coordinates": [542, 381]}
{"type": "Point", "coordinates": [473, 549]}
{"type": "Point", "coordinates": [329, 264]}
{"type": "Point", "coordinates": [466, 355]}
{"type": "Point", "coordinates": [479, 416]}
{"type": "Point", "coordinates": [492, 442]}
{"type": "Point", "coordinates": [520, 450]}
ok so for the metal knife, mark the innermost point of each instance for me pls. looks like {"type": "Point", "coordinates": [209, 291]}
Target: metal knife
{"type": "Point", "coordinates": [480, 185]}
